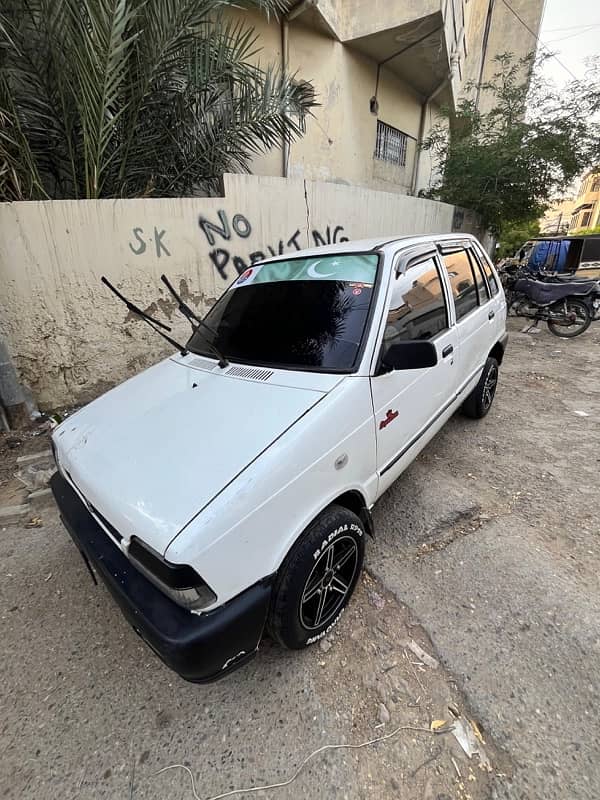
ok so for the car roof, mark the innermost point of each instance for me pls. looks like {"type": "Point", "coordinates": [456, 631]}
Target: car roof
{"type": "Point", "coordinates": [381, 244]}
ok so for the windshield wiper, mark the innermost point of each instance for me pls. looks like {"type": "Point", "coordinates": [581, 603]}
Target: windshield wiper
{"type": "Point", "coordinates": [155, 324]}
{"type": "Point", "coordinates": [192, 317]}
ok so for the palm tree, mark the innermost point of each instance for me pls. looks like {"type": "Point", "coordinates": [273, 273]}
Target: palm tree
{"type": "Point", "coordinates": [130, 98]}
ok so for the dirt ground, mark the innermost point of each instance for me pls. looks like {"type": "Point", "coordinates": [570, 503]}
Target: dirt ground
{"type": "Point", "coordinates": [486, 557]}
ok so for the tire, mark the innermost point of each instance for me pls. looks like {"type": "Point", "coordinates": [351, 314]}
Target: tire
{"type": "Point", "coordinates": [568, 332]}
{"type": "Point", "coordinates": [308, 581]}
{"type": "Point", "coordinates": [479, 402]}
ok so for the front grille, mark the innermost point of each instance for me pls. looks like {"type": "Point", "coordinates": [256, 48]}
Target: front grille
{"type": "Point", "coordinates": [94, 512]}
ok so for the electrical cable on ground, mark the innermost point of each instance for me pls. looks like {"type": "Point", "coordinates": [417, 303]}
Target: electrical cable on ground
{"type": "Point", "coordinates": [287, 782]}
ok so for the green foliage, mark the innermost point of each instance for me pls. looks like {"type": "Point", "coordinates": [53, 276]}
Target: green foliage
{"type": "Point", "coordinates": [585, 231]}
{"type": "Point", "coordinates": [507, 163]}
{"type": "Point", "coordinates": [128, 98]}
{"type": "Point", "coordinates": [513, 235]}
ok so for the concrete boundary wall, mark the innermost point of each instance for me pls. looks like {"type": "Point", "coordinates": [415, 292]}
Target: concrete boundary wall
{"type": "Point", "coordinates": [71, 339]}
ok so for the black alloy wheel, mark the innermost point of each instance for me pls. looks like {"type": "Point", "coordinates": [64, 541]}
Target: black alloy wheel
{"type": "Point", "coordinates": [317, 578]}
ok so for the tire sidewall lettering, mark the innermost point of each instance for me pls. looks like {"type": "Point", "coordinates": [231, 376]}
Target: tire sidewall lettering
{"type": "Point", "coordinates": [318, 636]}
{"type": "Point", "coordinates": [334, 534]}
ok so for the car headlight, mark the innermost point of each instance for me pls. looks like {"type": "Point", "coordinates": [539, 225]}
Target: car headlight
{"type": "Point", "coordinates": [180, 582]}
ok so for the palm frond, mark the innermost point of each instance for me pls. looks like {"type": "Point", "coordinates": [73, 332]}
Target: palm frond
{"type": "Point", "coordinates": [99, 42]}
{"type": "Point", "coordinates": [109, 98]}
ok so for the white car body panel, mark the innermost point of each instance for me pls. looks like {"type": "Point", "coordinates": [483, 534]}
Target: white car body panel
{"type": "Point", "coordinates": [261, 514]}
{"type": "Point", "coordinates": [153, 451]}
{"type": "Point", "coordinates": [224, 472]}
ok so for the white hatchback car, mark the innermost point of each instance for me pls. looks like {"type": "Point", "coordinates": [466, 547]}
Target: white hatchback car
{"type": "Point", "coordinates": [220, 496]}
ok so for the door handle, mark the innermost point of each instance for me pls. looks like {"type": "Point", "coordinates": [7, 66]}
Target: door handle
{"type": "Point", "coordinates": [491, 315]}
{"type": "Point", "coordinates": [447, 350]}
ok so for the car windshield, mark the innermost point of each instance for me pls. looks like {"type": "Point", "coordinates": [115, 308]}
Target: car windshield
{"type": "Point", "coordinates": [305, 313]}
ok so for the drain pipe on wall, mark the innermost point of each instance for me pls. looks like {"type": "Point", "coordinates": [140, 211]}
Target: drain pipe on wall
{"type": "Point", "coordinates": [294, 12]}
{"type": "Point", "coordinates": [422, 120]}
{"type": "Point", "coordinates": [12, 398]}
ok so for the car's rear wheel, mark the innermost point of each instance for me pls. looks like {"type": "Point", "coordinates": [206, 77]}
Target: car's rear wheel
{"type": "Point", "coordinates": [479, 402]}
{"type": "Point", "coordinates": [317, 578]}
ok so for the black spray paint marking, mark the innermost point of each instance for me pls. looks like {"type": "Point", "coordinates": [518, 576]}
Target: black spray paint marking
{"type": "Point", "coordinates": [221, 257]}
{"type": "Point", "coordinates": [141, 243]}
{"type": "Point", "coordinates": [239, 223]}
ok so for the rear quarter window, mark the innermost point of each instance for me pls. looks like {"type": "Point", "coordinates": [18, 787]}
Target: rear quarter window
{"type": "Point", "coordinates": [489, 272]}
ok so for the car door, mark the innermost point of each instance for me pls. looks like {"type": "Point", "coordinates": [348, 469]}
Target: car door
{"type": "Point", "coordinates": [498, 303]}
{"type": "Point", "coordinates": [407, 402]}
{"type": "Point", "coordinates": [473, 310]}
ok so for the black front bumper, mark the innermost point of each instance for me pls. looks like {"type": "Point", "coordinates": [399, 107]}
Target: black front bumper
{"type": "Point", "coordinates": [200, 648]}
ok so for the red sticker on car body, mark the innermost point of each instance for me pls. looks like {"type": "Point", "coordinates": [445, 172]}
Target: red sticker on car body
{"type": "Point", "coordinates": [389, 417]}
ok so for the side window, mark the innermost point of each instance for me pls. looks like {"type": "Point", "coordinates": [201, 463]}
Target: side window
{"type": "Point", "coordinates": [482, 289]}
{"type": "Point", "coordinates": [489, 273]}
{"type": "Point", "coordinates": [462, 281]}
{"type": "Point", "coordinates": [418, 306]}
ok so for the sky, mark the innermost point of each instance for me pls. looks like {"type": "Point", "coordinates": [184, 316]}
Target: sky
{"type": "Point", "coordinates": [571, 29]}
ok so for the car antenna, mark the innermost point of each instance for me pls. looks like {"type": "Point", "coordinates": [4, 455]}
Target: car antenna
{"type": "Point", "coordinates": [154, 323]}
{"type": "Point", "coordinates": [192, 317]}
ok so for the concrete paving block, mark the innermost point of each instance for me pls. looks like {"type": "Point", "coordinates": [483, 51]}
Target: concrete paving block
{"type": "Point", "coordinates": [34, 457]}
{"type": "Point", "coordinates": [13, 513]}
{"type": "Point", "coordinates": [40, 495]}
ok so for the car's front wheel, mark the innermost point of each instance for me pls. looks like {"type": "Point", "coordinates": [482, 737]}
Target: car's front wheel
{"type": "Point", "coordinates": [317, 578]}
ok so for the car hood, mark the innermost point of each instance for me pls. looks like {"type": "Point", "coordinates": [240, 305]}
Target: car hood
{"type": "Point", "coordinates": [151, 453]}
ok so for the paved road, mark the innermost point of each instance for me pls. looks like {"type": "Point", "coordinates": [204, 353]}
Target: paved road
{"type": "Point", "coordinates": [492, 537]}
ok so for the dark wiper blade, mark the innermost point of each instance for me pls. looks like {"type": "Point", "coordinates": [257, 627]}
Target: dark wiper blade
{"type": "Point", "coordinates": [155, 324]}
{"type": "Point", "coordinates": [187, 312]}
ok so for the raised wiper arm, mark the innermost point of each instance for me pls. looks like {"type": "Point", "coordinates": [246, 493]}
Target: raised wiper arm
{"type": "Point", "coordinates": [155, 324]}
{"type": "Point", "coordinates": [192, 317]}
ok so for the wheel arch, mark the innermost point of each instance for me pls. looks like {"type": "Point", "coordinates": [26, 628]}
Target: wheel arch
{"type": "Point", "coordinates": [354, 501]}
{"type": "Point", "coordinates": [497, 352]}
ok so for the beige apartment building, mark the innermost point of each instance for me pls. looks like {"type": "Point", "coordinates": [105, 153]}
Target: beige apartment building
{"type": "Point", "coordinates": [557, 218]}
{"type": "Point", "coordinates": [381, 70]}
{"type": "Point", "coordinates": [586, 213]}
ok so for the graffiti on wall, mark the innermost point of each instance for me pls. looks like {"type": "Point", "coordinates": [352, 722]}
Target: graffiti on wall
{"type": "Point", "coordinates": [225, 237]}
{"type": "Point", "coordinates": [140, 245]}
{"type": "Point", "coordinates": [228, 237]}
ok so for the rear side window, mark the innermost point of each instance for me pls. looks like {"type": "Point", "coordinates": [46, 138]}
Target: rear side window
{"type": "Point", "coordinates": [418, 306]}
{"type": "Point", "coordinates": [464, 289]}
{"type": "Point", "coordinates": [489, 273]}
{"type": "Point", "coordinates": [482, 289]}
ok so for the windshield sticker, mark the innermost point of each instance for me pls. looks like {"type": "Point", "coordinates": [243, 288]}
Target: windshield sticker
{"type": "Point", "coordinates": [245, 275]}
{"type": "Point", "coordinates": [356, 270]}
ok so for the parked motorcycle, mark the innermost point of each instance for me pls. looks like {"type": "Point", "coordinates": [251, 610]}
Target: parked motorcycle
{"type": "Point", "coordinates": [591, 299]}
{"type": "Point", "coordinates": [566, 307]}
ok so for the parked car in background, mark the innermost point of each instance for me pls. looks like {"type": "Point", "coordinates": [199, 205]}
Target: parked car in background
{"type": "Point", "coordinates": [227, 490]}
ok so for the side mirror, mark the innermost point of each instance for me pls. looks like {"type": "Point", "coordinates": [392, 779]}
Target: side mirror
{"type": "Point", "coordinates": [417, 354]}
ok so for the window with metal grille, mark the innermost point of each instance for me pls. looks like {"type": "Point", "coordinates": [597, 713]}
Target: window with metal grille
{"type": "Point", "coordinates": [595, 185]}
{"type": "Point", "coordinates": [391, 144]}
